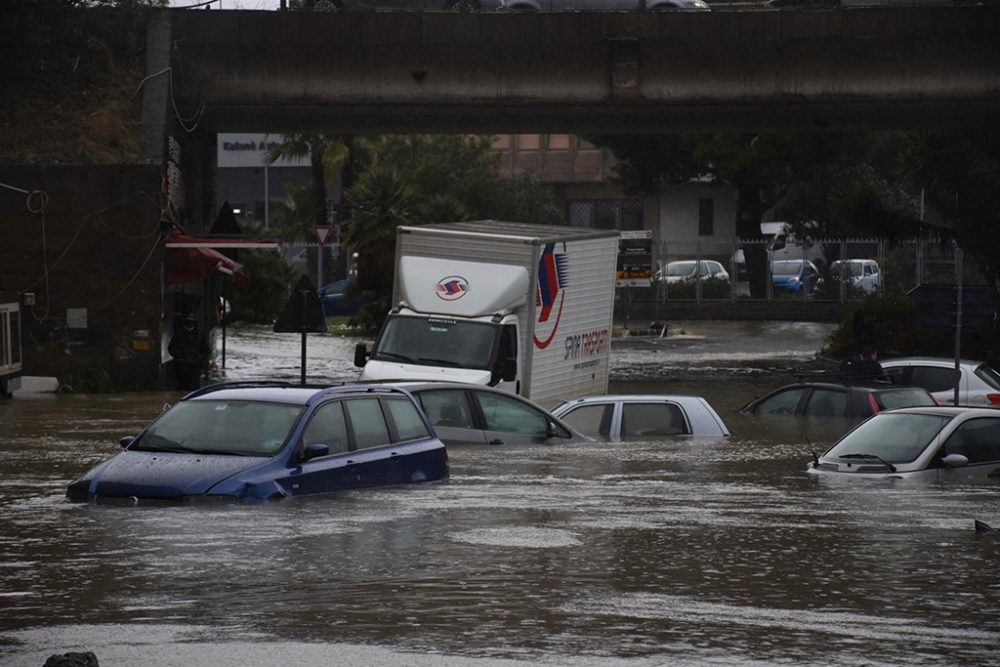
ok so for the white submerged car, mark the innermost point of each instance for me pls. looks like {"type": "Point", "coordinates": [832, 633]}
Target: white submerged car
{"type": "Point", "coordinates": [641, 417]}
{"type": "Point", "coordinates": [979, 383]}
{"type": "Point", "coordinates": [944, 443]}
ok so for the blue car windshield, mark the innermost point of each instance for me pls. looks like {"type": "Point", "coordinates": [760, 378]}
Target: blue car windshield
{"type": "Point", "coordinates": [786, 268]}
{"type": "Point", "coordinates": [240, 428]}
{"type": "Point", "coordinates": [896, 438]}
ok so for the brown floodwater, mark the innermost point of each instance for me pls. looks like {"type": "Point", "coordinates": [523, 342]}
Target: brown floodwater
{"type": "Point", "coordinates": [680, 552]}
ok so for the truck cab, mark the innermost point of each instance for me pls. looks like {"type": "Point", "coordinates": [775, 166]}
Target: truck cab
{"type": "Point", "coordinates": [413, 345]}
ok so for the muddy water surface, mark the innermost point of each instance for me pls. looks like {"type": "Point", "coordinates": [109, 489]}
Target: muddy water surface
{"type": "Point", "coordinates": [651, 553]}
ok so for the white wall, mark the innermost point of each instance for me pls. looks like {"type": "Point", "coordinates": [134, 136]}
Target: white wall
{"type": "Point", "coordinates": [679, 205]}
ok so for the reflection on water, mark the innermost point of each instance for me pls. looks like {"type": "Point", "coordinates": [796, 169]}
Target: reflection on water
{"type": "Point", "coordinates": [686, 552]}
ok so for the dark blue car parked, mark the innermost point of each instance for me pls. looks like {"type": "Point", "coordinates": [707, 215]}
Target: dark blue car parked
{"type": "Point", "coordinates": [265, 441]}
{"type": "Point", "coordinates": [335, 302]}
{"type": "Point", "coordinates": [794, 276]}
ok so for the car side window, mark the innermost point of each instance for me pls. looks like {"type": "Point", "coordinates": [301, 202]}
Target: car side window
{"type": "Point", "coordinates": [977, 439]}
{"type": "Point", "coordinates": [367, 422]}
{"type": "Point", "coordinates": [591, 419]}
{"type": "Point", "coordinates": [899, 374]}
{"type": "Point", "coordinates": [447, 407]}
{"type": "Point", "coordinates": [647, 419]}
{"type": "Point", "coordinates": [782, 403]}
{"type": "Point", "coordinates": [826, 403]}
{"type": "Point", "coordinates": [933, 378]}
{"type": "Point", "coordinates": [328, 427]}
{"type": "Point", "coordinates": [507, 414]}
{"type": "Point", "coordinates": [406, 418]}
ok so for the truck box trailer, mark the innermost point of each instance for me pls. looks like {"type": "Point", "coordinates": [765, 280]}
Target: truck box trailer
{"type": "Point", "coordinates": [527, 308]}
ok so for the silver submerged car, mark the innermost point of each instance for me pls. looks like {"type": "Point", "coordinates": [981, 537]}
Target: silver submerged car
{"type": "Point", "coordinates": [642, 417]}
{"type": "Point", "coordinates": [943, 443]}
{"type": "Point", "coordinates": [468, 414]}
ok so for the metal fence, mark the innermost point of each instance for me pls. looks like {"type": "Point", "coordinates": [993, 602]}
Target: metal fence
{"type": "Point", "coordinates": [832, 270]}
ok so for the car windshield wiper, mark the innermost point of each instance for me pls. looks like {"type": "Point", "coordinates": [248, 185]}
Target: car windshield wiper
{"type": "Point", "coordinates": [159, 448]}
{"type": "Point", "coordinates": [392, 355]}
{"type": "Point", "coordinates": [888, 465]}
{"type": "Point", "coordinates": [443, 362]}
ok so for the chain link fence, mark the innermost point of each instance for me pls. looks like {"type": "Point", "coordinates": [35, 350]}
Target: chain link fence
{"type": "Point", "coordinates": [830, 270]}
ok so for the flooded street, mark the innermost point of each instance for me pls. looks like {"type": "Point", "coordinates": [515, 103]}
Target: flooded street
{"type": "Point", "coordinates": [683, 552]}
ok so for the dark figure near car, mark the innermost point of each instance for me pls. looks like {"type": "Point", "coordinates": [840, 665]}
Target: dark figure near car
{"type": "Point", "coordinates": [864, 365]}
{"type": "Point", "coordinates": [87, 659]}
{"type": "Point", "coordinates": [190, 350]}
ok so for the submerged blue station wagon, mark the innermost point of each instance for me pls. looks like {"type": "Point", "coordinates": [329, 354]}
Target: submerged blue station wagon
{"type": "Point", "coordinates": [267, 440]}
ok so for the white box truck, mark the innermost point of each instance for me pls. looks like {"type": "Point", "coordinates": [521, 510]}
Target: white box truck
{"type": "Point", "coordinates": [526, 308]}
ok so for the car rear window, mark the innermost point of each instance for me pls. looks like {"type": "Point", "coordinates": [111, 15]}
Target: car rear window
{"type": "Point", "coordinates": [903, 398]}
{"type": "Point", "coordinates": [593, 420]}
{"type": "Point", "coordinates": [641, 420]}
{"type": "Point", "coordinates": [409, 425]}
{"type": "Point", "coordinates": [988, 375]}
{"type": "Point", "coordinates": [368, 422]}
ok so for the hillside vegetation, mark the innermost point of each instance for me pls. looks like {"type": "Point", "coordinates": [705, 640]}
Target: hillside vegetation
{"type": "Point", "coordinates": [71, 94]}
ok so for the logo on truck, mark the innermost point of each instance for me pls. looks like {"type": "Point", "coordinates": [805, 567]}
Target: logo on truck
{"type": "Point", "coordinates": [451, 288]}
{"type": "Point", "coordinates": [551, 294]}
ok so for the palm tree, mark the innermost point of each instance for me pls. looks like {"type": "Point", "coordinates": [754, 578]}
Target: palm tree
{"type": "Point", "coordinates": [328, 155]}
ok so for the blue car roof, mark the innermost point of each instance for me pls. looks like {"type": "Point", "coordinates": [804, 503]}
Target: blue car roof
{"type": "Point", "coordinates": [281, 392]}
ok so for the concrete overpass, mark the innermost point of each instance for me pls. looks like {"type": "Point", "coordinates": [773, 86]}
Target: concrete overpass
{"type": "Point", "coordinates": [629, 72]}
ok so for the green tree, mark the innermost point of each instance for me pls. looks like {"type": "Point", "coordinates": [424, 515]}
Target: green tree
{"type": "Point", "coordinates": [70, 72]}
{"type": "Point", "coordinates": [805, 176]}
{"type": "Point", "coordinates": [291, 218]}
{"type": "Point", "coordinates": [959, 171]}
{"type": "Point", "coordinates": [328, 155]}
{"type": "Point", "coordinates": [270, 280]}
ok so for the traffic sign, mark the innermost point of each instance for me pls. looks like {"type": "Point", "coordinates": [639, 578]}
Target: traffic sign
{"type": "Point", "coordinates": [322, 233]}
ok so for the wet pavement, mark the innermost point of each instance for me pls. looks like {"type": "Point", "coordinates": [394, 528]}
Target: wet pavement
{"type": "Point", "coordinates": [682, 552]}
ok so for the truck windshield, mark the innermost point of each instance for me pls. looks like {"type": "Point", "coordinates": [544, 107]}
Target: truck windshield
{"type": "Point", "coordinates": [436, 342]}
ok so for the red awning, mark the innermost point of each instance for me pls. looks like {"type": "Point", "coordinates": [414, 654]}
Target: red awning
{"type": "Point", "coordinates": [189, 258]}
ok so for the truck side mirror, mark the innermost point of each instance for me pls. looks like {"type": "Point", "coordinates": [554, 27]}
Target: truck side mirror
{"type": "Point", "coordinates": [508, 369]}
{"type": "Point", "coordinates": [360, 355]}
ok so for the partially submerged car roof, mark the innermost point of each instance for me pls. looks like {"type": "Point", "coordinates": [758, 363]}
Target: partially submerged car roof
{"type": "Point", "coordinates": [278, 391]}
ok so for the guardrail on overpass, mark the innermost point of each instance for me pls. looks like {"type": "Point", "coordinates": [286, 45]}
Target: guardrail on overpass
{"type": "Point", "coordinates": [573, 72]}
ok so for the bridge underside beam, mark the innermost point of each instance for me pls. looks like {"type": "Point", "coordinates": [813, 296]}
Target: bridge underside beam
{"type": "Point", "coordinates": [586, 72]}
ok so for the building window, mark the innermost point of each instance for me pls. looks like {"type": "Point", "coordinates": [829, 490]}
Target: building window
{"type": "Point", "coordinates": [706, 217]}
{"type": "Point", "coordinates": [618, 214]}
{"type": "Point", "coordinates": [558, 142]}
{"type": "Point", "coordinates": [529, 142]}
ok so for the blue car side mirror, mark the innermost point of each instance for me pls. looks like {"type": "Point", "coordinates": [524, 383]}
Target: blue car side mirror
{"type": "Point", "coordinates": [126, 441]}
{"type": "Point", "coordinates": [315, 451]}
